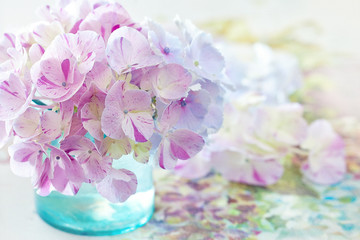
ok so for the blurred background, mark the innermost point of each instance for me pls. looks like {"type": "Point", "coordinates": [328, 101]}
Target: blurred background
{"type": "Point", "coordinates": [338, 20]}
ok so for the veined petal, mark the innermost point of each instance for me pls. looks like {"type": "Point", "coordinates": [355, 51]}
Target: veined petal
{"type": "Point", "coordinates": [15, 97]}
{"type": "Point", "coordinates": [111, 122]}
{"type": "Point", "coordinates": [185, 144]}
{"type": "Point", "coordinates": [137, 100]}
{"type": "Point", "coordinates": [24, 157]}
{"type": "Point", "coordinates": [171, 81]}
{"type": "Point", "coordinates": [94, 164]}
{"type": "Point", "coordinates": [62, 69]}
{"type": "Point", "coordinates": [165, 44]}
{"type": "Point", "coordinates": [41, 179]}
{"type": "Point", "coordinates": [91, 114]}
{"type": "Point", "coordinates": [170, 117]}
{"type": "Point", "coordinates": [138, 126]}
{"type": "Point", "coordinates": [50, 126]}
{"type": "Point", "coordinates": [72, 170]}
{"type": "Point", "coordinates": [128, 49]}
{"type": "Point", "coordinates": [66, 112]}
{"type": "Point", "coordinates": [107, 18]}
{"type": "Point", "coordinates": [101, 75]}
{"type": "Point", "coordinates": [164, 156]}
{"type": "Point", "coordinates": [118, 185]}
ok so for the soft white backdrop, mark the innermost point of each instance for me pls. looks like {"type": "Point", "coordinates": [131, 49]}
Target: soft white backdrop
{"type": "Point", "coordinates": [339, 19]}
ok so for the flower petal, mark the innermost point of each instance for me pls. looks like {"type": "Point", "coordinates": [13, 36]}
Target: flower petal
{"type": "Point", "coordinates": [128, 49]}
{"type": "Point", "coordinates": [164, 157]}
{"type": "Point", "coordinates": [91, 114]}
{"type": "Point", "coordinates": [111, 122]}
{"type": "Point", "coordinates": [137, 100]}
{"type": "Point", "coordinates": [15, 97]}
{"type": "Point", "coordinates": [61, 71]}
{"type": "Point", "coordinates": [50, 126]}
{"type": "Point", "coordinates": [27, 124]}
{"type": "Point", "coordinates": [24, 157]}
{"type": "Point", "coordinates": [185, 144]}
{"type": "Point", "coordinates": [171, 81]}
{"type": "Point", "coordinates": [326, 163]}
{"type": "Point", "coordinates": [118, 185]}
{"type": "Point", "coordinates": [115, 148]}
{"type": "Point", "coordinates": [107, 18]}
{"type": "Point", "coordinates": [196, 167]}
{"type": "Point", "coordinates": [101, 75]}
{"type": "Point", "coordinates": [138, 126]}
{"type": "Point", "coordinates": [237, 167]}
{"type": "Point", "coordinates": [142, 151]}
{"type": "Point", "coordinates": [94, 164]}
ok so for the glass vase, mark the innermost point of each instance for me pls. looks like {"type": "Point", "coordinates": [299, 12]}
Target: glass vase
{"type": "Point", "coordinates": [88, 213]}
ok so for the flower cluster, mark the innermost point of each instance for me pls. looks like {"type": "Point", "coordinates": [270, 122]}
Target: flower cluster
{"type": "Point", "coordinates": [263, 132]}
{"type": "Point", "coordinates": [256, 142]}
{"type": "Point", "coordinates": [89, 84]}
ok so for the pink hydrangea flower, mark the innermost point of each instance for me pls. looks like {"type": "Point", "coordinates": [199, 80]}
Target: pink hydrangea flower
{"type": "Point", "coordinates": [203, 58]}
{"type": "Point", "coordinates": [127, 113]}
{"type": "Point", "coordinates": [176, 144]}
{"type": "Point", "coordinates": [237, 166]}
{"type": "Point", "coordinates": [128, 49]}
{"type": "Point", "coordinates": [101, 75]}
{"type": "Point", "coordinates": [283, 124]}
{"type": "Point", "coordinates": [91, 107]}
{"type": "Point", "coordinates": [61, 71]}
{"type": "Point", "coordinates": [65, 171]}
{"type": "Point", "coordinates": [180, 144]}
{"type": "Point", "coordinates": [50, 123]}
{"type": "Point", "coordinates": [164, 44]}
{"type": "Point", "coordinates": [96, 166]}
{"type": "Point", "coordinates": [66, 113]}
{"type": "Point", "coordinates": [87, 85]}
{"type": "Point", "coordinates": [45, 32]}
{"type": "Point", "coordinates": [170, 82]}
{"type": "Point", "coordinates": [193, 109]}
{"type": "Point", "coordinates": [264, 131]}
{"type": "Point", "coordinates": [41, 179]}
{"type": "Point", "coordinates": [13, 58]}
{"type": "Point", "coordinates": [76, 127]}
{"type": "Point", "coordinates": [57, 170]}
{"type": "Point", "coordinates": [15, 97]}
{"type": "Point", "coordinates": [115, 148]}
{"type": "Point", "coordinates": [249, 148]}
{"type": "Point", "coordinates": [326, 163]}
{"type": "Point", "coordinates": [24, 156]}
{"type": "Point", "coordinates": [106, 19]}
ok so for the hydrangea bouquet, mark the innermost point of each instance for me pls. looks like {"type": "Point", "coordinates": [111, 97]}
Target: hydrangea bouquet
{"type": "Point", "coordinates": [89, 84]}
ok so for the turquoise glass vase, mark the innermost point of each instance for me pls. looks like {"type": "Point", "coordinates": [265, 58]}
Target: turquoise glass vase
{"type": "Point", "coordinates": [88, 213]}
